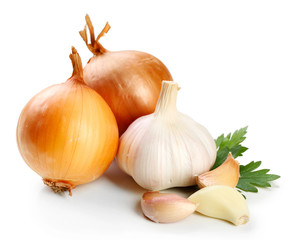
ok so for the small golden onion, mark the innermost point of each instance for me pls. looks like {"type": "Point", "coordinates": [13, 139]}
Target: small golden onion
{"type": "Point", "coordinates": [67, 133]}
{"type": "Point", "coordinates": [129, 81]}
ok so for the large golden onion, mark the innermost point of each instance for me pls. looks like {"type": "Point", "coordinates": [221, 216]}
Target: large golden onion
{"type": "Point", "coordinates": [67, 133]}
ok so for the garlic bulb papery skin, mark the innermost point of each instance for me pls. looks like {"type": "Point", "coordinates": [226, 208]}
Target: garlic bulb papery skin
{"type": "Point", "coordinates": [166, 148]}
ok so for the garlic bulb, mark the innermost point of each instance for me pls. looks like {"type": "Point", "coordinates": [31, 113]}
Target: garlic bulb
{"type": "Point", "coordinates": [166, 148]}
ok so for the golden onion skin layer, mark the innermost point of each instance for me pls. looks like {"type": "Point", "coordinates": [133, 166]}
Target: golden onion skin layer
{"type": "Point", "coordinates": [129, 81]}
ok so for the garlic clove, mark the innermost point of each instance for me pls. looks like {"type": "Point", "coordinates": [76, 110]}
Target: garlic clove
{"type": "Point", "coordinates": [225, 174]}
{"type": "Point", "coordinates": [223, 202]}
{"type": "Point", "coordinates": [166, 207]}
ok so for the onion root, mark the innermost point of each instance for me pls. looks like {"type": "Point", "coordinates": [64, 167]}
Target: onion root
{"type": "Point", "coordinates": [59, 186]}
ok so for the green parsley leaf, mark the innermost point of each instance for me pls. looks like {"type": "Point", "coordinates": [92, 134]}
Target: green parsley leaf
{"type": "Point", "coordinates": [230, 143]}
{"type": "Point", "coordinates": [249, 179]}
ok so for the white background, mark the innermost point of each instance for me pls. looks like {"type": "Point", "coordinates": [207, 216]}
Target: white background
{"type": "Point", "coordinates": [236, 63]}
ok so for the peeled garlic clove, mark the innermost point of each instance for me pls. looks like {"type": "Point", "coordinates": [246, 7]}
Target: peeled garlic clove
{"type": "Point", "coordinates": [225, 174]}
{"type": "Point", "coordinates": [166, 207]}
{"type": "Point", "coordinates": [221, 202]}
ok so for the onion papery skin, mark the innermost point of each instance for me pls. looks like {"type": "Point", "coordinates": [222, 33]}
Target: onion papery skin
{"type": "Point", "coordinates": [67, 134]}
{"type": "Point", "coordinates": [129, 81]}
